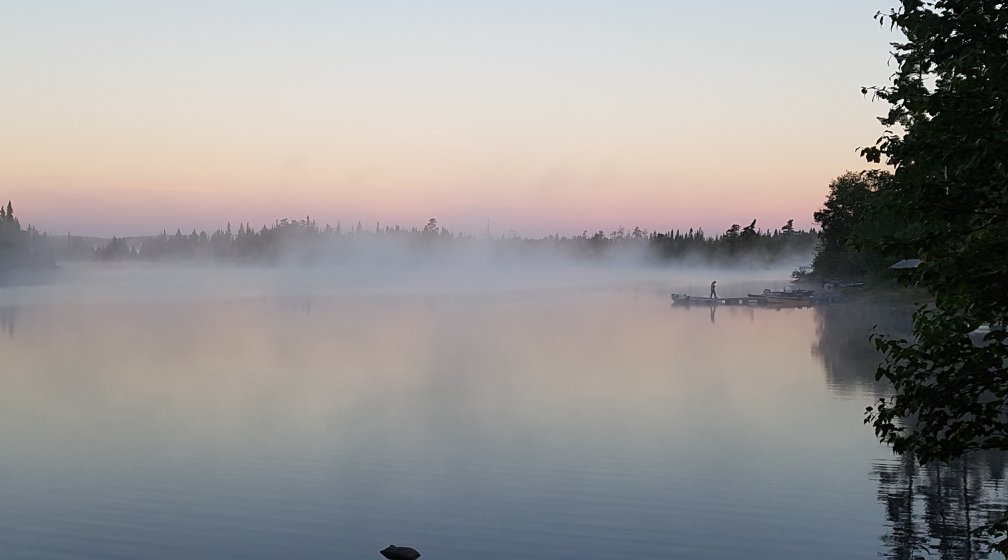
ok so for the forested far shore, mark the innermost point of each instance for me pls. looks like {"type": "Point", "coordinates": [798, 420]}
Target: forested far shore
{"type": "Point", "coordinates": [25, 253]}
{"type": "Point", "coordinates": [304, 241]}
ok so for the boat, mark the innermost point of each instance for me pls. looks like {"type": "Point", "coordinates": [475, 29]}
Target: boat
{"type": "Point", "coordinates": [688, 299]}
{"type": "Point", "coordinates": [979, 334]}
{"type": "Point", "coordinates": [789, 301]}
{"type": "Point", "coordinates": [789, 297]}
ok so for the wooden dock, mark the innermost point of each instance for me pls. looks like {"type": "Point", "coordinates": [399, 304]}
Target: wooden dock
{"type": "Point", "coordinates": [754, 299]}
{"type": "Point", "coordinates": [683, 299]}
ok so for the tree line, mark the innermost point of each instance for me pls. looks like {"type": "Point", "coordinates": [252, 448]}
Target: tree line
{"type": "Point", "coordinates": [24, 252]}
{"type": "Point", "coordinates": [305, 240]}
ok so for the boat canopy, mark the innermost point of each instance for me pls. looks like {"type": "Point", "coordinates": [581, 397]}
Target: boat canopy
{"type": "Point", "coordinates": [906, 263]}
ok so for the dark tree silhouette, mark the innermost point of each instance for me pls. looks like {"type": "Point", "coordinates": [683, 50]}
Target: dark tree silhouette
{"type": "Point", "coordinates": [946, 138]}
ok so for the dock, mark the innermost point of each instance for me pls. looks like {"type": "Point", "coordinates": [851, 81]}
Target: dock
{"type": "Point", "coordinates": [683, 299]}
{"type": "Point", "coordinates": [773, 300]}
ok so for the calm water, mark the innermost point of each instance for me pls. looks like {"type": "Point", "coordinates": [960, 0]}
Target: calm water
{"type": "Point", "coordinates": [260, 414]}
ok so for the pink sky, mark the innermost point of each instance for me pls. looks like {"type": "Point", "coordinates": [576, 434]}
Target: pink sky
{"type": "Point", "coordinates": [539, 117]}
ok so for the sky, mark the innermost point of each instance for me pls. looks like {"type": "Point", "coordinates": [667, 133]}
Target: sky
{"type": "Point", "coordinates": [519, 118]}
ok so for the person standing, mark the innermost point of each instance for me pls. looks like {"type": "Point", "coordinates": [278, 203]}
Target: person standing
{"type": "Point", "coordinates": [713, 290]}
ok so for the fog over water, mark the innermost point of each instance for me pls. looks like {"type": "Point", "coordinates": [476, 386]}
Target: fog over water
{"type": "Point", "coordinates": [501, 410]}
{"type": "Point", "coordinates": [455, 275]}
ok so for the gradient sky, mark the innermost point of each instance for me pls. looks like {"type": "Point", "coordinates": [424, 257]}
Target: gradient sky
{"type": "Point", "coordinates": [539, 117]}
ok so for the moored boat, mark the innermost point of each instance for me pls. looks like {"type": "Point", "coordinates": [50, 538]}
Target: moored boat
{"type": "Point", "coordinates": [688, 299]}
{"type": "Point", "coordinates": [789, 297]}
{"type": "Point", "coordinates": [789, 301]}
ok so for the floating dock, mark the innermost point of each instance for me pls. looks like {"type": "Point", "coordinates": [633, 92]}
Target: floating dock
{"type": "Point", "coordinates": [684, 299]}
{"type": "Point", "coordinates": [754, 299]}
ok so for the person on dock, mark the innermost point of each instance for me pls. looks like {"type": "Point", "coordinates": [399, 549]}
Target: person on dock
{"type": "Point", "coordinates": [713, 290]}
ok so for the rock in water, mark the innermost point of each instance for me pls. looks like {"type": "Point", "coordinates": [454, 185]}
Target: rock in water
{"type": "Point", "coordinates": [393, 552]}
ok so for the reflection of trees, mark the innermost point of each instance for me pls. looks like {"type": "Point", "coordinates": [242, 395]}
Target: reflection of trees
{"type": "Point", "coordinates": [848, 356]}
{"type": "Point", "coordinates": [896, 492]}
{"type": "Point", "coordinates": [932, 510]}
{"type": "Point", "coordinates": [7, 317]}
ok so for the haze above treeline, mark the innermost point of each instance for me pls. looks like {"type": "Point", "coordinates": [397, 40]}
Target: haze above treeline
{"type": "Point", "coordinates": [304, 241]}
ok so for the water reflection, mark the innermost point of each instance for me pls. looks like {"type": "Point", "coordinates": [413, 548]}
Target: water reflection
{"type": "Point", "coordinates": [8, 315]}
{"type": "Point", "coordinates": [848, 356]}
{"type": "Point", "coordinates": [583, 424]}
{"type": "Point", "coordinates": [933, 510]}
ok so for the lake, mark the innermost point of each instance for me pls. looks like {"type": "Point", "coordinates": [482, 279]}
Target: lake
{"type": "Point", "coordinates": [572, 413]}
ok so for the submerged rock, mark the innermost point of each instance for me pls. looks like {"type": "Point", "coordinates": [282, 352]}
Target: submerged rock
{"type": "Point", "coordinates": [393, 552]}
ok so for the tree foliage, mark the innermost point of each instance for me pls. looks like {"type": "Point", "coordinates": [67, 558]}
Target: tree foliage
{"type": "Point", "coordinates": [23, 251]}
{"type": "Point", "coordinates": [304, 241]}
{"type": "Point", "coordinates": [848, 216]}
{"type": "Point", "coordinates": [946, 137]}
